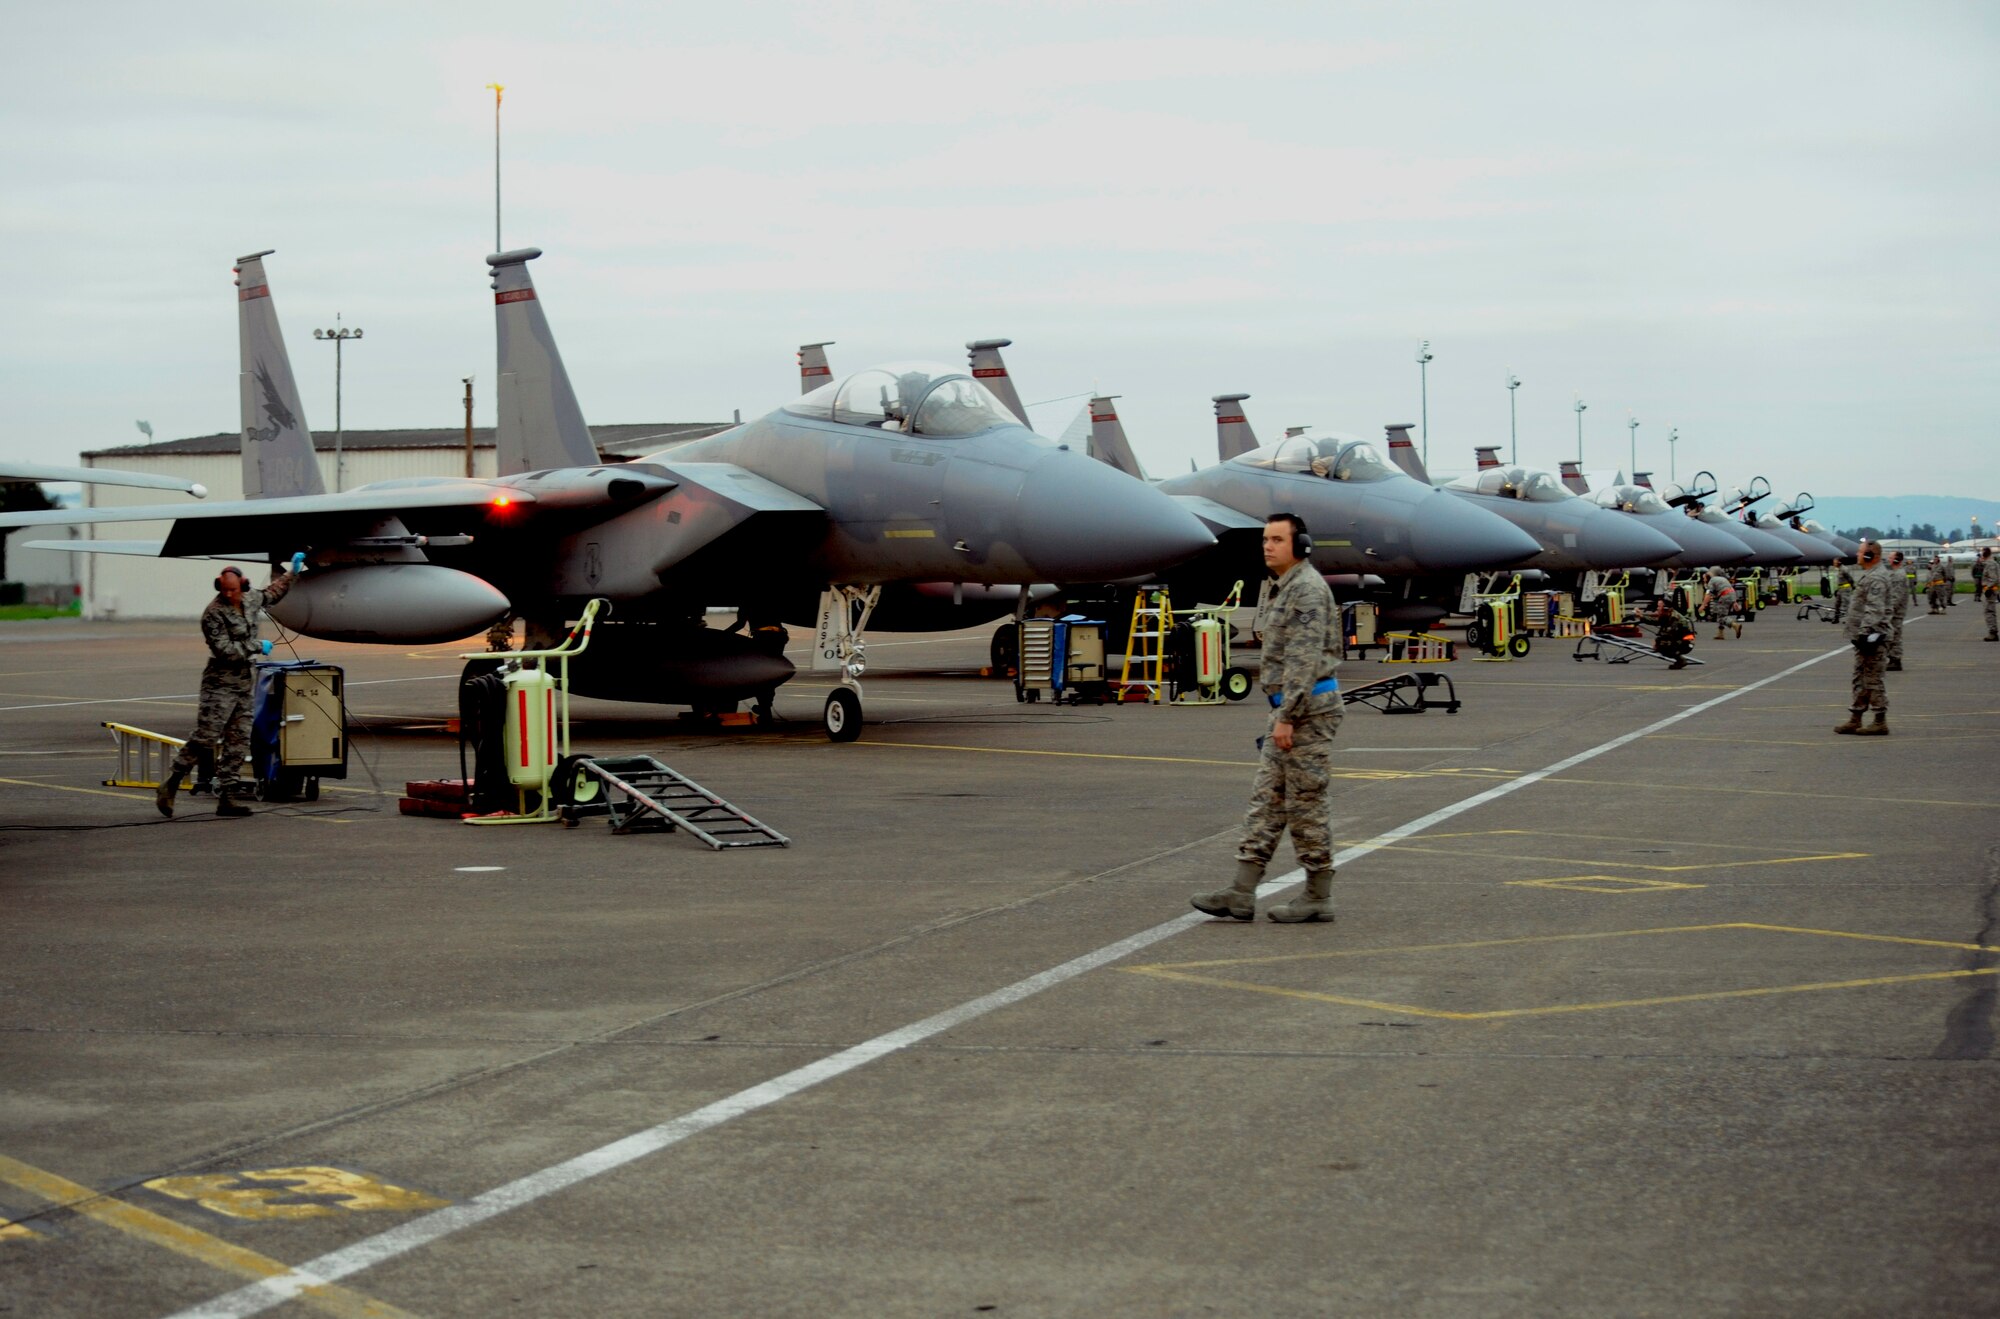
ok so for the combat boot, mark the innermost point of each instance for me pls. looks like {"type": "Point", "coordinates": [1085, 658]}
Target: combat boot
{"type": "Point", "coordinates": [1853, 724]}
{"type": "Point", "coordinates": [1720, 635]}
{"type": "Point", "coordinates": [1239, 900]}
{"type": "Point", "coordinates": [1880, 728]}
{"type": "Point", "coordinates": [1993, 636]}
{"type": "Point", "coordinates": [1739, 631]}
{"type": "Point", "coordinates": [1313, 903]}
{"type": "Point", "coordinates": [163, 796]}
{"type": "Point", "coordinates": [229, 807]}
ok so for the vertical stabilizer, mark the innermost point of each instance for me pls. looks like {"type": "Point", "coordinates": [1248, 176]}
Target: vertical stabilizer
{"type": "Point", "coordinates": [990, 371]}
{"type": "Point", "coordinates": [1644, 479]}
{"type": "Point", "coordinates": [277, 448]}
{"type": "Point", "coordinates": [1107, 437]}
{"type": "Point", "coordinates": [1233, 436]}
{"type": "Point", "coordinates": [1403, 453]}
{"type": "Point", "coordinates": [1488, 455]}
{"type": "Point", "coordinates": [540, 424]}
{"type": "Point", "coordinates": [813, 368]}
{"type": "Point", "coordinates": [1572, 477]}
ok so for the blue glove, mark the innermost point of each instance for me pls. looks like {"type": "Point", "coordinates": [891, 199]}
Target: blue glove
{"type": "Point", "coordinates": [299, 562]}
{"type": "Point", "coordinates": [266, 646]}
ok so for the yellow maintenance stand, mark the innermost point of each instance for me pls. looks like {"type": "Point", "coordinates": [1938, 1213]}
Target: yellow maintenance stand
{"type": "Point", "coordinates": [1495, 626]}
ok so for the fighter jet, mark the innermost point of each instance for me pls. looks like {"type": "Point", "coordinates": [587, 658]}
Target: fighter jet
{"type": "Point", "coordinates": [1692, 500]}
{"type": "Point", "coordinates": [1575, 535]}
{"type": "Point", "coordinates": [1811, 548]}
{"type": "Point", "coordinates": [907, 473]}
{"type": "Point", "coordinates": [1793, 512]}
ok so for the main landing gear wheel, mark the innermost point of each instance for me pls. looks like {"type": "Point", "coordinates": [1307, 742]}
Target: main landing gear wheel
{"type": "Point", "coordinates": [1235, 684]}
{"type": "Point", "coordinates": [1475, 636]}
{"type": "Point", "coordinates": [1000, 653]}
{"type": "Point", "coordinates": [842, 717]}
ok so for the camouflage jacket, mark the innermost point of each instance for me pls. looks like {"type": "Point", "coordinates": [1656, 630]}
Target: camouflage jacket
{"type": "Point", "coordinates": [1868, 611]}
{"type": "Point", "coordinates": [1899, 594]}
{"type": "Point", "coordinates": [1301, 644]}
{"type": "Point", "coordinates": [231, 633]}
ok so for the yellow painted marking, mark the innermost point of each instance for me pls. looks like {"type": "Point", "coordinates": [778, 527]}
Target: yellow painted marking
{"type": "Point", "coordinates": [1741, 741]}
{"type": "Point", "coordinates": [1600, 861]}
{"type": "Point", "coordinates": [18, 1232]}
{"type": "Point", "coordinates": [304, 1192]}
{"type": "Point", "coordinates": [183, 1240]}
{"type": "Point", "coordinates": [914, 534]}
{"type": "Point", "coordinates": [57, 787]}
{"type": "Point", "coordinates": [1820, 796]}
{"type": "Point", "coordinates": [1179, 971]}
{"type": "Point", "coordinates": [1603, 884]}
{"type": "Point", "coordinates": [1172, 760]}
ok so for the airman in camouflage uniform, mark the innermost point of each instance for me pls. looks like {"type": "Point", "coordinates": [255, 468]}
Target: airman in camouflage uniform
{"type": "Point", "coordinates": [1935, 584]}
{"type": "Point", "coordinates": [1950, 581]}
{"type": "Point", "coordinates": [1868, 615]}
{"type": "Point", "coordinates": [1301, 651]}
{"type": "Point", "coordinates": [229, 626]}
{"type": "Point", "coordinates": [1899, 605]}
{"type": "Point", "coordinates": [1988, 578]}
{"type": "Point", "coordinates": [1722, 602]}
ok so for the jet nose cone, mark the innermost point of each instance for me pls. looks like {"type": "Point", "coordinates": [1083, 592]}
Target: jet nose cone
{"type": "Point", "coordinates": [1450, 535]}
{"type": "Point", "coordinates": [1707, 547]}
{"type": "Point", "coordinates": [1612, 540]}
{"type": "Point", "coordinates": [1083, 521]}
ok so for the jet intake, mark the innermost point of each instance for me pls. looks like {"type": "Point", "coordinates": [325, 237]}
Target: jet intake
{"type": "Point", "coordinates": [400, 602]}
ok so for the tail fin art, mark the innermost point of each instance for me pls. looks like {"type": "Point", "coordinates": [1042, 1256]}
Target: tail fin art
{"type": "Point", "coordinates": [540, 424]}
{"type": "Point", "coordinates": [1233, 436]}
{"type": "Point", "coordinates": [1488, 455]}
{"type": "Point", "coordinates": [1107, 438]}
{"type": "Point", "coordinates": [1403, 453]}
{"type": "Point", "coordinates": [813, 368]}
{"type": "Point", "coordinates": [278, 456]}
{"type": "Point", "coordinates": [990, 371]}
{"type": "Point", "coordinates": [1572, 477]}
{"type": "Point", "coordinates": [1644, 479]}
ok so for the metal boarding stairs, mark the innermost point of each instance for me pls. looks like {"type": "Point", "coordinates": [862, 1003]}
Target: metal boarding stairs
{"type": "Point", "coordinates": [640, 793]}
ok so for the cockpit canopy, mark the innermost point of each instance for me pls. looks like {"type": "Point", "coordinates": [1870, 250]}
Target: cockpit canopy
{"type": "Point", "coordinates": [1630, 499]}
{"type": "Point", "coordinates": [1335, 457]}
{"type": "Point", "coordinates": [1514, 482]}
{"type": "Point", "coordinates": [915, 398]}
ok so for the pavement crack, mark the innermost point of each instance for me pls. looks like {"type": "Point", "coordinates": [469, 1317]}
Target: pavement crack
{"type": "Point", "coordinates": [1968, 1027]}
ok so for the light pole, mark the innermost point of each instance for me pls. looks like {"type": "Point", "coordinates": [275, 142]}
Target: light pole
{"type": "Point", "coordinates": [1632, 425]}
{"type": "Point", "coordinates": [1424, 396]}
{"type": "Point", "coordinates": [1580, 406]}
{"type": "Point", "coordinates": [338, 336]}
{"type": "Point", "coordinates": [1673, 438]}
{"type": "Point", "coordinates": [1513, 433]}
{"type": "Point", "coordinates": [497, 89]}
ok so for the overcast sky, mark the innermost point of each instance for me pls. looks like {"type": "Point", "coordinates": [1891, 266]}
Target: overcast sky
{"type": "Point", "coordinates": [1770, 225]}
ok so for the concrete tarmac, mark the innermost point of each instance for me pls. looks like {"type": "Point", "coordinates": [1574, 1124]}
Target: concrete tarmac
{"type": "Point", "coordinates": [1699, 1021]}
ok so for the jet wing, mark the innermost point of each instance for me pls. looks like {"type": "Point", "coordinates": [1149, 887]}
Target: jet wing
{"type": "Point", "coordinates": [1218, 518]}
{"type": "Point", "coordinates": [99, 476]}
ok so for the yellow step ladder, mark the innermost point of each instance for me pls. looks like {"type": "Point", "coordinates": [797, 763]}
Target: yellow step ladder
{"type": "Point", "coordinates": [137, 752]}
{"type": "Point", "coordinates": [1146, 646]}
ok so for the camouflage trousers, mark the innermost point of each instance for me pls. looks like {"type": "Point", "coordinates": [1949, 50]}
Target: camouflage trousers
{"type": "Point", "coordinates": [1992, 610]}
{"type": "Point", "coordinates": [1892, 645]}
{"type": "Point", "coordinates": [1870, 692]}
{"type": "Point", "coordinates": [1290, 792]}
{"type": "Point", "coordinates": [223, 728]}
{"type": "Point", "coordinates": [1937, 597]}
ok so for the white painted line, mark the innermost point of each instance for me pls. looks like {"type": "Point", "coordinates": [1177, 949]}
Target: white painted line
{"type": "Point", "coordinates": [191, 696]}
{"type": "Point", "coordinates": [476, 870]}
{"type": "Point", "coordinates": [258, 1297]}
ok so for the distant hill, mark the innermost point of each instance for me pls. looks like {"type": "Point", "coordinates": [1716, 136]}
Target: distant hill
{"type": "Point", "coordinates": [1946, 513]}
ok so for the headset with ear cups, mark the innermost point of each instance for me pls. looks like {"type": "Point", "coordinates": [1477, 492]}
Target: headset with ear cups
{"type": "Point", "coordinates": [1302, 541]}
{"type": "Point", "coordinates": [231, 569]}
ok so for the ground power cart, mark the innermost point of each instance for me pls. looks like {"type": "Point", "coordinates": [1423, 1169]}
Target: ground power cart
{"type": "Point", "coordinates": [298, 728]}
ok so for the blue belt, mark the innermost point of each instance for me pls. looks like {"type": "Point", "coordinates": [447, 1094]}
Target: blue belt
{"type": "Point", "coordinates": [1320, 688]}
